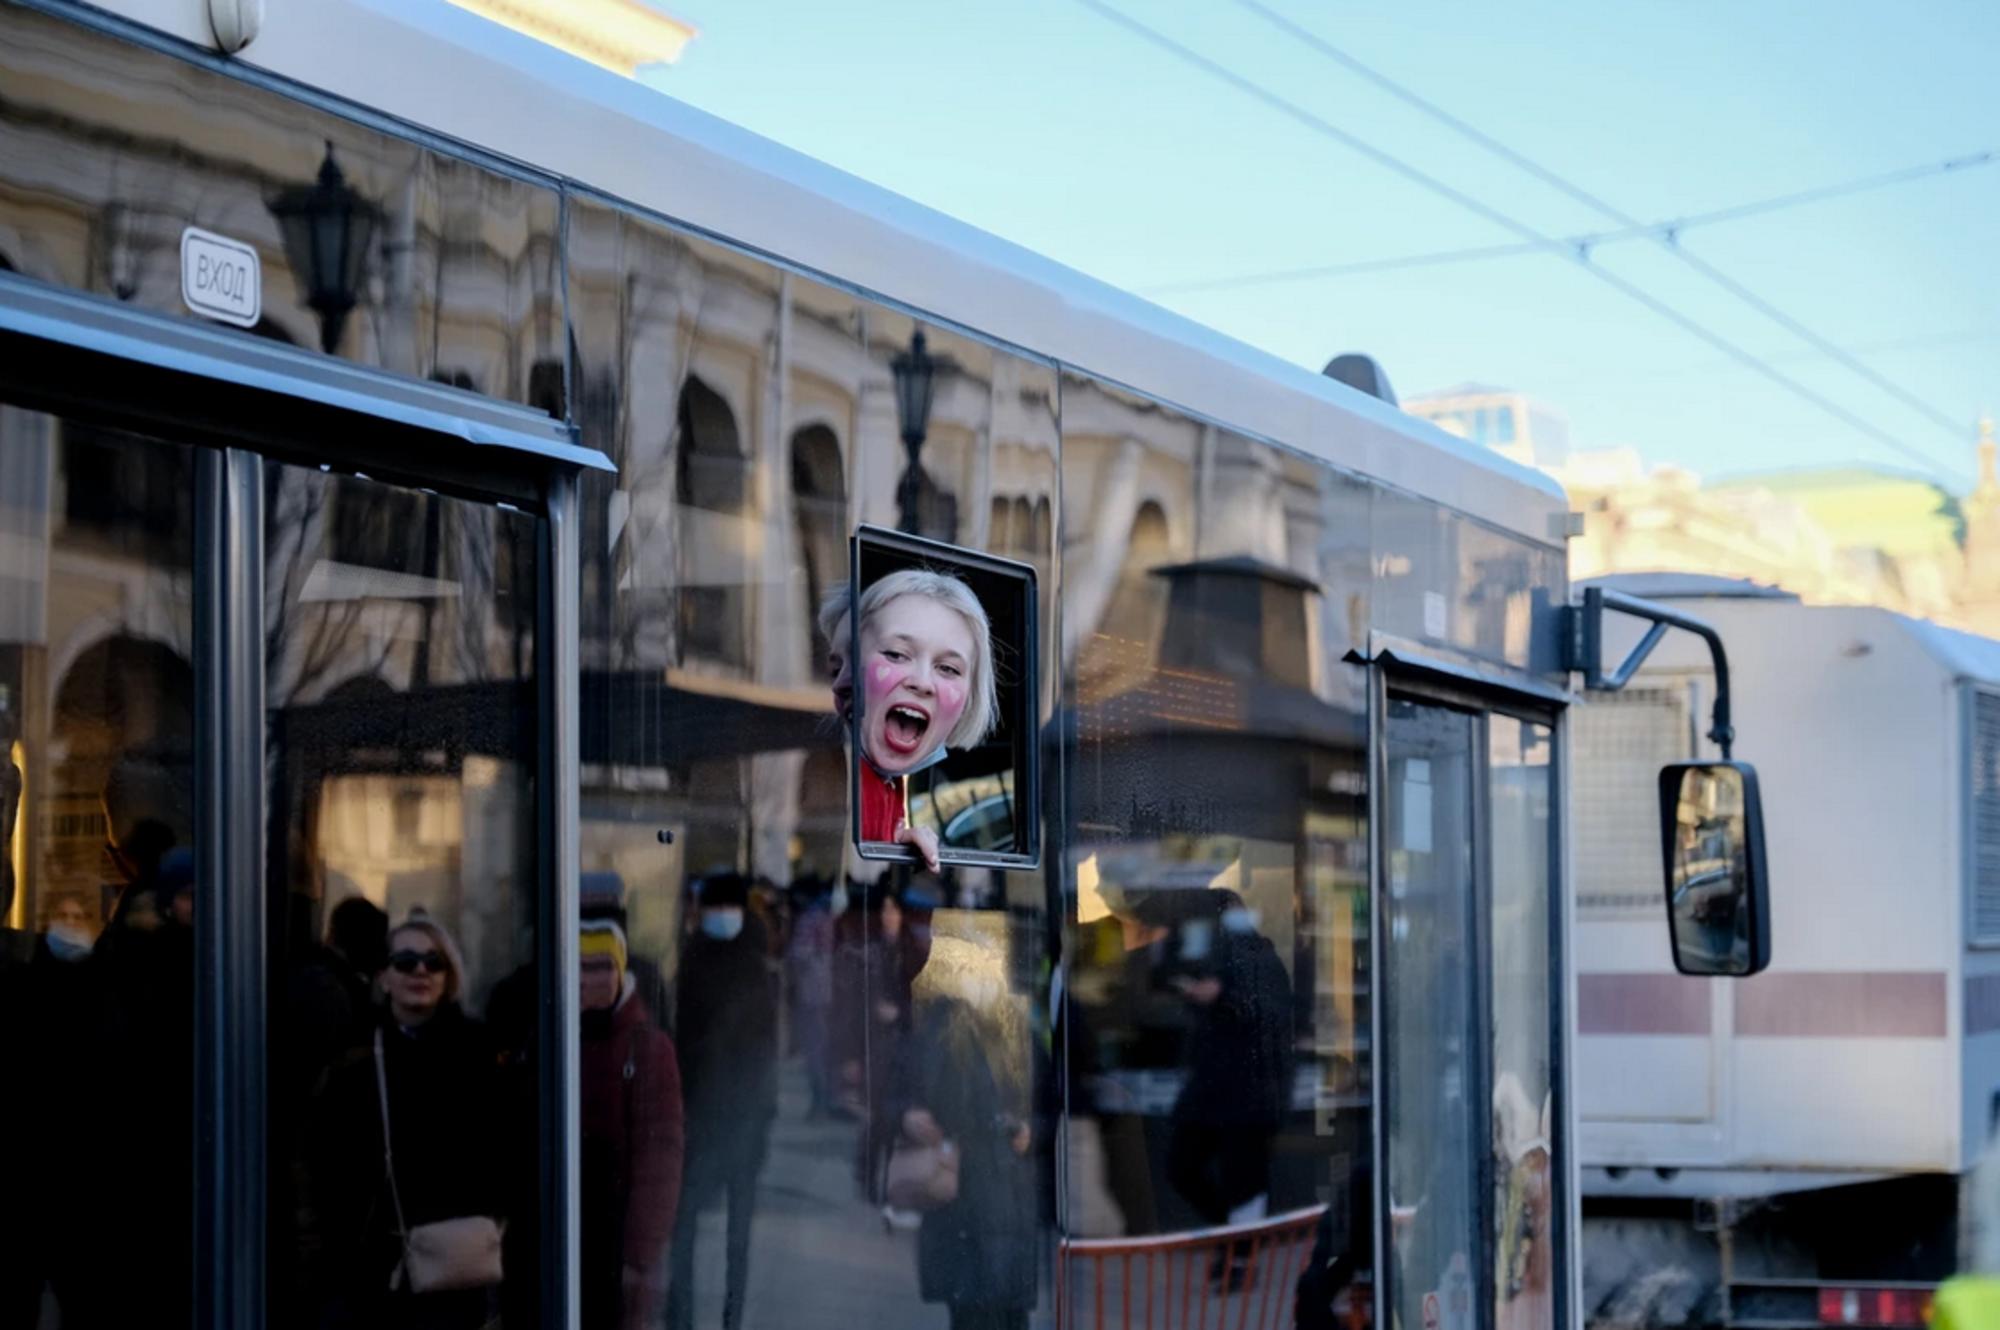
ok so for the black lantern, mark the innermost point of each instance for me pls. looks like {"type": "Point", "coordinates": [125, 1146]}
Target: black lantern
{"type": "Point", "coordinates": [916, 380]}
{"type": "Point", "coordinates": [327, 226]}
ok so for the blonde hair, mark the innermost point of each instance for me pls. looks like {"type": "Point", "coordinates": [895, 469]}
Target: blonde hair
{"type": "Point", "coordinates": [419, 921]}
{"type": "Point", "coordinates": [982, 701]}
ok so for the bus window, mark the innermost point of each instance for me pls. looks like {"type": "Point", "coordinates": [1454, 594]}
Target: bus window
{"type": "Point", "coordinates": [840, 1028]}
{"type": "Point", "coordinates": [1218, 1048]}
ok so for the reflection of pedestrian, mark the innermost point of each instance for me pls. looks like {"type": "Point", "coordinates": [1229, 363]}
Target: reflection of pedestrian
{"type": "Point", "coordinates": [49, 1012]}
{"type": "Point", "coordinates": [975, 1255]}
{"type": "Point", "coordinates": [446, 1121]}
{"type": "Point", "coordinates": [871, 1014]}
{"type": "Point", "coordinates": [333, 990]}
{"type": "Point", "coordinates": [146, 962]}
{"type": "Point", "coordinates": [809, 976]}
{"type": "Point", "coordinates": [632, 1140]}
{"type": "Point", "coordinates": [727, 1008]}
{"type": "Point", "coordinates": [1238, 1057]}
{"type": "Point", "coordinates": [601, 895]}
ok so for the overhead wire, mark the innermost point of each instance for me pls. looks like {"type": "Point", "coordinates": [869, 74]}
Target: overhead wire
{"type": "Point", "coordinates": [1672, 228]}
{"type": "Point", "coordinates": [1388, 161]}
{"type": "Point", "coordinates": [1457, 124]}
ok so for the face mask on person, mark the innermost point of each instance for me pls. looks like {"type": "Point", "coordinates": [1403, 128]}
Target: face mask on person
{"type": "Point", "coordinates": [67, 942]}
{"type": "Point", "coordinates": [722, 923]}
{"type": "Point", "coordinates": [1239, 919]}
{"type": "Point", "coordinates": [837, 900]}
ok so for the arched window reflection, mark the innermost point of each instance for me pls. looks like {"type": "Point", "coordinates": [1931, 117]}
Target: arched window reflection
{"type": "Point", "coordinates": [1128, 636]}
{"type": "Point", "coordinates": [712, 487]}
{"type": "Point", "coordinates": [819, 513]}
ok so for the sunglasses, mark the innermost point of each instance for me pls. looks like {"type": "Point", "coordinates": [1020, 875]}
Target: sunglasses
{"type": "Point", "coordinates": [409, 962]}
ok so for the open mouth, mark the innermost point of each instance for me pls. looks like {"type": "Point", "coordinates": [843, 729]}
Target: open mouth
{"type": "Point", "coordinates": [903, 727]}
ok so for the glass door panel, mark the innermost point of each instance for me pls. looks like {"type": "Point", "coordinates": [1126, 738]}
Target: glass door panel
{"type": "Point", "coordinates": [97, 886]}
{"type": "Point", "coordinates": [1521, 782]}
{"type": "Point", "coordinates": [1432, 1053]}
{"type": "Point", "coordinates": [401, 862]}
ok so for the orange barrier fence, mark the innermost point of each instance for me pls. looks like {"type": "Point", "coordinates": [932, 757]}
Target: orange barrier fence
{"type": "Point", "coordinates": [1238, 1277]}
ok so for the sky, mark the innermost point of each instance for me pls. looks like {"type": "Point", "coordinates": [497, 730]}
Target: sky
{"type": "Point", "coordinates": [1054, 125]}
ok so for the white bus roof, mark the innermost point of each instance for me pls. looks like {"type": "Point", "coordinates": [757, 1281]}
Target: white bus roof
{"type": "Point", "coordinates": [458, 75]}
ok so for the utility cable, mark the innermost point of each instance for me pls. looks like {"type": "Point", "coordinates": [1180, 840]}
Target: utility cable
{"type": "Point", "coordinates": [1326, 129]}
{"type": "Point", "coordinates": [1312, 40]}
{"type": "Point", "coordinates": [1670, 229]}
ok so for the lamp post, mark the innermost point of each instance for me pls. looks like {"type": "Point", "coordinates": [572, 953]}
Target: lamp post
{"type": "Point", "coordinates": [916, 377]}
{"type": "Point", "coordinates": [327, 226]}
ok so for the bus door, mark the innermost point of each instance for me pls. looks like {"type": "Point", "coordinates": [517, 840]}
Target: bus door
{"type": "Point", "coordinates": [1467, 858]}
{"type": "Point", "coordinates": [287, 700]}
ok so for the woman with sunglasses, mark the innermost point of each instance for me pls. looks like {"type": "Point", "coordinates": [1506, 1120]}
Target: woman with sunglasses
{"type": "Point", "coordinates": [442, 1081]}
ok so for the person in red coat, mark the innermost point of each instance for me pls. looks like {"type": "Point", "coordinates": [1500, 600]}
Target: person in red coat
{"type": "Point", "coordinates": [633, 1138]}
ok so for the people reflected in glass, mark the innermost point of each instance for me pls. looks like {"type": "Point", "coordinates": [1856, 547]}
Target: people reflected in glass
{"type": "Point", "coordinates": [1202, 946]}
{"type": "Point", "coordinates": [334, 994]}
{"type": "Point", "coordinates": [976, 1251]}
{"type": "Point", "coordinates": [633, 1138]}
{"type": "Point", "coordinates": [876, 964]}
{"type": "Point", "coordinates": [429, 1088]}
{"type": "Point", "coordinates": [809, 953]}
{"type": "Point", "coordinates": [726, 1009]}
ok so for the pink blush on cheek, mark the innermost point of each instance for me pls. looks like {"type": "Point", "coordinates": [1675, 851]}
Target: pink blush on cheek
{"type": "Point", "coordinates": [951, 700]}
{"type": "Point", "coordinates": [884, 676]}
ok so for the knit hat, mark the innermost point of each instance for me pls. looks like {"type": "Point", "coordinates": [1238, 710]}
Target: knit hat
{"type": "Point", "coordinates": [603, 937]}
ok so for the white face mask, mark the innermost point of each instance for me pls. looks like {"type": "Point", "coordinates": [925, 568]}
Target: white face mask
{"type": "Point", "coordinates": [1239, 919]}
{"type": "Point", "coordinates": [722, 923]}
{"type": "Point", "coordinates": [67, 942]}
{"type": "Point", "coordinates": [836, 901]}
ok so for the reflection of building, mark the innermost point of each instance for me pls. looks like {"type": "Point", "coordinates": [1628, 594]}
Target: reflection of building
{"type": "Point", "coordinates": [620, 35]}
{"type": "Point", "coordinates": [1510, 423]}
{"type": "Point", "coordinates": [378, 595]}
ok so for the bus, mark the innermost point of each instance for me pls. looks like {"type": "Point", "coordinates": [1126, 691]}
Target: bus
{"type": "Point", "coordinates": [438, 478]}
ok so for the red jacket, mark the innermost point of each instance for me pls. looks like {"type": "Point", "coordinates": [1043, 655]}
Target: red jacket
{"type": "Point", "coordinates": [633, 1134]}
{"type": "Point", "coordinates": [882, 805]}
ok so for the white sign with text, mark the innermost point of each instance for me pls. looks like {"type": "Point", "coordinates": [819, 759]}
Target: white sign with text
{"type": "Point", "coordinates": [221, 278]}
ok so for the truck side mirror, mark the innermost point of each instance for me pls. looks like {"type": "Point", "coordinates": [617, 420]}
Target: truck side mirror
{"type": "Point", "coordinates": [1712, 840]}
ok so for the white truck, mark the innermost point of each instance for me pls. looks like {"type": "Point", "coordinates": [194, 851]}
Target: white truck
{"type": "Point", "coordinates": [1793, 1149]}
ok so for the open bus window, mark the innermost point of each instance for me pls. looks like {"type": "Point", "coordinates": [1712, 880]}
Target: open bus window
{"type": "Point", "coordinates": [936, 686]}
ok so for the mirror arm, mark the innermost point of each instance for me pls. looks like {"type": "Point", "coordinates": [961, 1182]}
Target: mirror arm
{"type": "Point", "coordinates": [1584, 646]}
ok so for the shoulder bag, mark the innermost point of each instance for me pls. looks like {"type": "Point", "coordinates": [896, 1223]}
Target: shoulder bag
{"type": "Point", "coordinates": [449, 1253]}
{"type": "Point", "coordinates": [922, 1177]}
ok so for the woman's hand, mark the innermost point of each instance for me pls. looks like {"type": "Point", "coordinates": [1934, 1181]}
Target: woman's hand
{"type": "Point", "coordinates": [923, 838]}
{"type": "Point", "coordinates": [920, 1127]}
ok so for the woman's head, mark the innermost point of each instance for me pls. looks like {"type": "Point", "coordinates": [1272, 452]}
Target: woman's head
{"type": "Point", "coordinates": [424, 972]}
{"type": "Point", "coordinates": [926, 669]}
